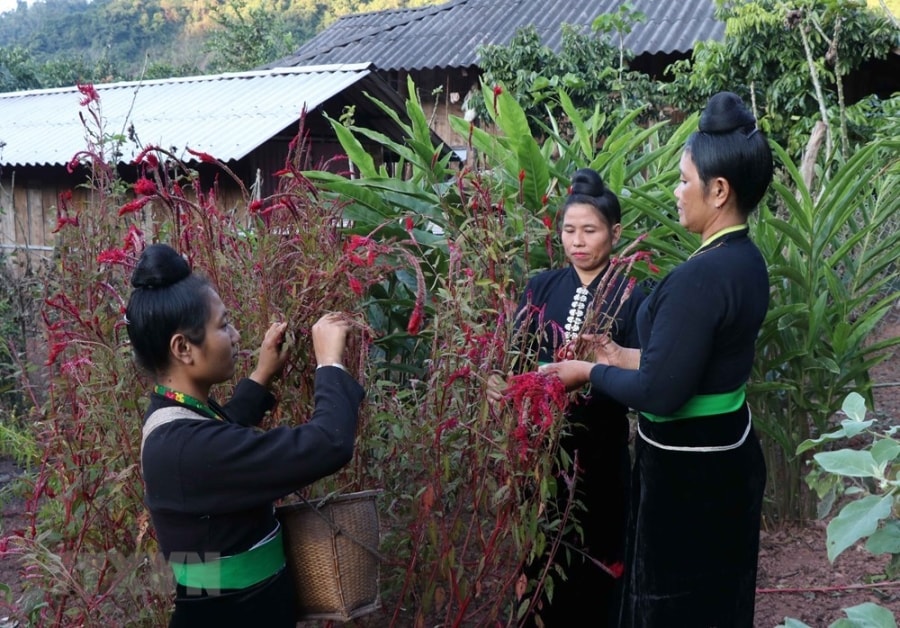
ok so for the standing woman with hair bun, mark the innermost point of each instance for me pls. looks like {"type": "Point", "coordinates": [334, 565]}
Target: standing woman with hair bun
{"type": "Point", "coordinates": [210, 478]}
{"type": "Point", "coordinates": [699, 472]}
{"type": "Point", "coordinates": [556, 304]}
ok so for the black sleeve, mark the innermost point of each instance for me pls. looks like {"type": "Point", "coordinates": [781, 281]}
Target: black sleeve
{"type": "Point", "coordinates": [249, 403]}
{"type": "Point", "coordinates": [224, 467]}
{"type": "Point", "coordinates": [626, 333]}
{"type": "Point", "coordinates": [676, 353]}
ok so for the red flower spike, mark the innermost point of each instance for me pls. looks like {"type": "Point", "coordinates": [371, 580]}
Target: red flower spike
{"type": "Point", "coordinates": [63, 221]}
{"type": "Point", "coordinates": [144, 187]}
{"type": "Point", "coordinates": [415, 321]}
{"type": "Point", "coordinates": [134, 206]}
{"type": "Point", "coordinates": [204, 157]}
{"type": "Point", "coordinates": [112, 256]}
{"type": "Point", "coordinates": [90, 94]}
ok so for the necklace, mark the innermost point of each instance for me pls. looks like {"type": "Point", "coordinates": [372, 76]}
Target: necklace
{"type": "Point", "coordinates": [189, 401]}
{"type": "Point", "coordinates": [575, 319]}
{"type": "Point", "coordinates": [717, 238]}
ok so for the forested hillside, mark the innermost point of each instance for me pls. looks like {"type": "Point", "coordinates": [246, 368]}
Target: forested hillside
{"type": "Point", "coordinates": [58, 42]}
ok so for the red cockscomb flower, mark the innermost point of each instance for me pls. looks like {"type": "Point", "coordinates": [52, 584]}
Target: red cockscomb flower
{"type": "Point", "coordinates": [204, 157]}
{"type": "Point", "coordinates": [144, 187]}
{"type": "Point", "coordinates": [111, 256]}
{"type": "Point", "coordinates": [415, 321]}
{"type": "Point", "coordinates": [90, 94]}
{"type": "Point", "coordinates": [134, 206]}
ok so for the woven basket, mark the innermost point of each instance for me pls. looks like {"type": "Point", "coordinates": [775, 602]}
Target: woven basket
{"type": "Point", "coordinates": [331, 548]}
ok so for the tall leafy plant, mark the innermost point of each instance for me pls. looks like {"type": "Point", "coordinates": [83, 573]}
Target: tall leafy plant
{"type": "Point", "coordinates": [833, 258]}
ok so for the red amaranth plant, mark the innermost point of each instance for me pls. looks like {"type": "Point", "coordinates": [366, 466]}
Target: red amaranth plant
{"type": "Point", "coordinates": [538, 401]}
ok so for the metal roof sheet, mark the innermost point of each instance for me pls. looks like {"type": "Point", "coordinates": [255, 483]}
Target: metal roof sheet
{"type": "Point", "coordinates": [448, 35]}
{"type": "Point", "coordinates": [224, 115]}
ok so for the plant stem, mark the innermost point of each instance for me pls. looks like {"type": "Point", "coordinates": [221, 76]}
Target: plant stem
{"type": "Point", "coordinates": [845, 587]}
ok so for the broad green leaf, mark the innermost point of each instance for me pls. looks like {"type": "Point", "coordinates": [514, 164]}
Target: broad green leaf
{"type": "Point", "coordinates": [885, 450]}
{"type": "Point", "coordinates": [536, 180]}
{"type": "Point", "coordinates": [850, 462]}
{"type": "Point", "coordinates": [885, 540]}
{"type": "Point", "coordinates": [871, 615]}
{"type": "Point", "coordinates": [856, 520]}
{"type": "Point", "coordinates": [358, 155]}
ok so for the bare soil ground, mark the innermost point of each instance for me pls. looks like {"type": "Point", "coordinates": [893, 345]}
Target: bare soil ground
{"type": "Point", "coordinates": [796, 580]}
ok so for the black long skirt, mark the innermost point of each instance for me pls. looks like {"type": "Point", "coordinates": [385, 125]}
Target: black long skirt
{"type": "Point", "coordinates": [693, 541]}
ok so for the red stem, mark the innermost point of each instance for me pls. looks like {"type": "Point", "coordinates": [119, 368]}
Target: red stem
{"type": "Point", "coordinates": [846, 587]}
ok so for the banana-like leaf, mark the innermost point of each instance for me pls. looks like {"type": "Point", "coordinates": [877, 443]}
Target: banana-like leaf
{"type": "Point", "coordinates": [357, 154]}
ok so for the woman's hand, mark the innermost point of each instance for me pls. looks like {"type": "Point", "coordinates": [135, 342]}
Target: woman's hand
{"type": "Point", "coordinates": [329, 336]}
{"type": "Point", "coordinates": [273, 353]}
{"type": "Point", "coordinates": [606, 351]}
{"type": "Point", "coordinates": [573, 373]}
{"type": "Point", "coordinates": [496, 384]}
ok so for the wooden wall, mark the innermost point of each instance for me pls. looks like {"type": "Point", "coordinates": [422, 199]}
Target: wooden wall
{"type": "Point", "coordinates": [28, 202]}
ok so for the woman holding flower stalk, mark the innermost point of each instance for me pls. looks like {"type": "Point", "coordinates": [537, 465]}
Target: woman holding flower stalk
{"type": "Point", "coordinates": [589, 295]}
{"type": "Point", "coordinates": [210, 477]}
{"type": "Point", "coordinates": [699, 470]}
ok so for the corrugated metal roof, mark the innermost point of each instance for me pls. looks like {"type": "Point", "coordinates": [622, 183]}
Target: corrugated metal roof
{"type": "Point", "coordinates": [448, 35]}
{"type": "Point", "coordinates": [224, 115]}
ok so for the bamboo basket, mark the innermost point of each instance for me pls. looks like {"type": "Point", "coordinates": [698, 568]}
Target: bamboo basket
{"type": "Point", "coordinates": [331, 550]}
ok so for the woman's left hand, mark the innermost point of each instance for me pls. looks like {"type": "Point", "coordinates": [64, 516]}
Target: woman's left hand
{"type": "Point", "coordinates": [573, 373]}
{"type": "Point", "coordinates": [273, 353]}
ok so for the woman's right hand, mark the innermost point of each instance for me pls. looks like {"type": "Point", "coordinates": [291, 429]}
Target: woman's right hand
{"type": "Point", "coordinates": [329, 336]}
{"type": "Point", "coordinates": [606, 351]}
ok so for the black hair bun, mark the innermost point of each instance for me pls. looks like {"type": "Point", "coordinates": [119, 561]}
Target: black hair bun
{"type": "Point", "coordinates": [160, 266]}
{"type": "Point", "coordinates": [726, 112]}
{"type": "Point", "coordinates": [587, 181]}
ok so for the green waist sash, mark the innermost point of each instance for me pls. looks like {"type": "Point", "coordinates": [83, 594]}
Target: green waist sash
{"type": "Point", "coordinates": [705, 405]}
{"type": "Point", "coordinates": [233, 572]}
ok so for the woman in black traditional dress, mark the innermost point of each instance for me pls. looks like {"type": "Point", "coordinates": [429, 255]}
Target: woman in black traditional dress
{"type": "Point", "coordinates": [556, 303]}
{"type": "Point", "coordinates": [699, 470]}
{"type": "Point", "coordinates": [211, 478]}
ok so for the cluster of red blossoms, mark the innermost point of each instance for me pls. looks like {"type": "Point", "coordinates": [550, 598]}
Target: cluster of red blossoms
{"type": "Point", "coordinates": [538, 400]}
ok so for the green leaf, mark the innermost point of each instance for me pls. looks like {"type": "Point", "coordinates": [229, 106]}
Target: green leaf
{"type": "Point", "coordinates": [354, 149]}
{"type": "Point", "coordinates": [885, 540]}
{"type": "Point", "coordinates": [870, 615]}
{"type": "Point", "coordinates": [537, 177]}
{"type": "Point", "coordinates": [855, 521]}
{"type": "Point", "coordinates": [792, 623]}
{"type": "Point", "coordinates": [849, 462]}
{"type": "Point", "coordinates": [885, 450]}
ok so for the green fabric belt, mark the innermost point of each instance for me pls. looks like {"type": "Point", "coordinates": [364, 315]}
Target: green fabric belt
{"type": "Point", "coordinates": [705, 405]}
{"type": "Point", "coordinates": [233, 572]}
